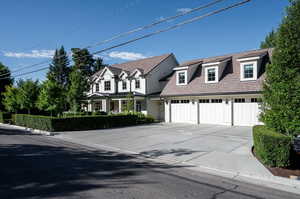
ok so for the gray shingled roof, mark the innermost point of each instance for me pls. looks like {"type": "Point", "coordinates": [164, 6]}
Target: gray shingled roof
{"type": "Point", "coordinates": [229, 82]}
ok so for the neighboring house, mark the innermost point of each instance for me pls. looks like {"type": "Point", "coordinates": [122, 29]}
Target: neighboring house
{"type": "Point", "coordinates": [111, 85]}
{"type": "Point", "coordinates": [222, 90]}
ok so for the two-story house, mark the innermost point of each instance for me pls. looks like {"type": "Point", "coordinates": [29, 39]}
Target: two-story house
{"type": "Point", "coordinates": [111, 85]}
{"type": "Point", "coordinates": [222, 90]}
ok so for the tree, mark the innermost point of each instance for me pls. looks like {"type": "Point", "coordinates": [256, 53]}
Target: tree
{"type": "Point", "coordinates": [59, 70]}
{"type": "Point", "coordinates": [27, 94]}
{"type": "Point", "coordinates": [51, 98]}
{"type": "Point", "coordinates": [282, 86]}
{"type": "Point", "coordinates": [83, 60]}
{"type": "Point", "coordinates": [98, 65]}
{"type": "Point", "coordinates": [5, 80]}
{"type": "Point", "coordinates": [77, 89]}
{"type": "Point", "coordinates": [10, 101]}
{"type": "Point", "coordinates": [129, 106]}
{"type": "Point", "coordinates": [270, 40]}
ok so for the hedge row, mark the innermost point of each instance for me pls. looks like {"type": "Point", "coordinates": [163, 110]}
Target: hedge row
{"type": "Point", "coordinates": [5, 117]}
{"type": "Point", "coordinates": [272, 148]}
{"type": "Point", "coordinates": [80, 123]}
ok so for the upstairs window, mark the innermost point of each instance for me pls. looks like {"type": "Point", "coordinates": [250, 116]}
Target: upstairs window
{"type": "Point", "coordinates": [211, 74]}
{"type": "Point", "coordinates": [137, 84]}
{"type": "Point", "coordinates": [248, 71]}
{"type": "Point", "coordinates": [124, 85]}
{"type": "Point", "coordinates": [181, 78]}
{"type": "Point", "coordinates": [97, 87]}
{"type": "Point", "coordinates": [107, 85]}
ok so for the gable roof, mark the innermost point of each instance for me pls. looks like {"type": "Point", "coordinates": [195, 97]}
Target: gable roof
{"type": "Point", "coordinates": [229, 82]}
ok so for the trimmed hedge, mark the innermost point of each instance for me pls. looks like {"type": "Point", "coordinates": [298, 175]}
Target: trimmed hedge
{"type": "Point", "coordinates": [5, 117]}
{"type": "Point", "coordinates": [80, 123]}
{"type": "Point", "coordinates": [272, 148]}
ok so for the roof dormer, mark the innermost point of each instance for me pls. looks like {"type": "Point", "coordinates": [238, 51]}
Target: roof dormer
{"type": "Point", "coordinates": [181, 75]}
{"type": "Point", "coordinates": [213, 69]}
{"type": "Point", "coordinates": [250, 66]}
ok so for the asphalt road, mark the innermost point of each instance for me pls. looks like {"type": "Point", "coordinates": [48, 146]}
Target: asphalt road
{"type": "Point", "coordinates": [33, 166]}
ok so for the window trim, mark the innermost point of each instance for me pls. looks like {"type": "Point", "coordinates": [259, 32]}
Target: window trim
{"type": "Point", "coordinates": [242, 70]}
{"type": "Point", "coordinates": [105, 85]}
{"type": "Point", "coordinates": [177, 77]}
{"type": "Point", "coordinates": [124, 84]}
{"type": "Point", "coordinates": [216, 74]}
{"type": "Point", "coordinates": [97, 87]}
{"type": "Point", "coordinates": [139, 84]}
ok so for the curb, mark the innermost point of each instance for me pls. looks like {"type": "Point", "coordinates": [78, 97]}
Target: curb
{"type": "Point", "coordinates": [29, 130]}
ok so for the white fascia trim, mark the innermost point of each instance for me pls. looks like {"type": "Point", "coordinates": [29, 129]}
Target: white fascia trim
{"type": "Point", "coordinates": [177, 78]}
{"type": "Point", "coordinates": [211, 64]}
{"type": "Point", "coordinates": [217, 74]}
{"type": "Point", "coordinates": [181, 68]}
{"type": "Point", "coordinates": [123, 72]}
{"type": "Point", "coordinates": [248, 59]}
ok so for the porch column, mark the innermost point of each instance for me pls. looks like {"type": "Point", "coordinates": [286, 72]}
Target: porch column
{"type": "Point", "coordinates": [120, 105]}
{"type": "Point", "coordinates": [89, 108]}
{"type": "Point", "coordinates": [106, 108]}
{"type": "Point", "coordinates": [134, 105]}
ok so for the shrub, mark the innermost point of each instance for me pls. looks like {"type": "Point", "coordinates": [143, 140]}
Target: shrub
{"type": "Point", "coordinates": [5, 117]}
{"type": "Point", "coordinates": [272, 148]}
{"type": "Point", "coordinates": [80, 122]}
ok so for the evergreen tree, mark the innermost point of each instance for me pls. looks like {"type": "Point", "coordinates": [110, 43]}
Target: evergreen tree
{"type": "Point", "coordinates": [83, 60]}
{"type": "Point", "coordinates": [27, 94]}
{"type": "Point", "coordinates": [282, 86]}
{"type": "Point", "coordinates": [10, 100]}
{"type": "Point", "coordinates": [5, 80]}
{"type": "Point", "coordinates": [270, 40]}
{"type": "Point", "coordinates": [98, 65]}
{"type": "Point", "coordinates": [59, 70]}
{"type": "Point", "coordinates": [51, 98]}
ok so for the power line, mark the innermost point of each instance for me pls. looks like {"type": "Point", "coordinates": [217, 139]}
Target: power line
{"type": "Point", "coordinates": [128, 32]}
{"type": "Point", "coordinates": [163, 30]}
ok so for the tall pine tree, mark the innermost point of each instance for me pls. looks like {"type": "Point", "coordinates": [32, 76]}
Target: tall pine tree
{"type": "Point", "coordinates": [282, 86]}
{"type": "Point", "coordinates": [83, 60]}
{"type": "Point", "coordinates": [98, 65]}
{"type": "Point", "coordinates": [59, 70]}
{"type": "Point", "coordinates": [270, 40]}
{"type": "Point", "coordinates": [5, 80]}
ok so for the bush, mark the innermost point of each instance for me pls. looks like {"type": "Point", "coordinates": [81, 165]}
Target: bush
{"type": "Point", "coordinates": [80, 122]}
{"type": "Point", "coordinates": [272, 148]}
{"type": "Point", "coordinates": [5, 117]}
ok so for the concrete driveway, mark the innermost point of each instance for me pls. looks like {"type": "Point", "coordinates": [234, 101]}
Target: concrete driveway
{"type": "Point", "coordinates": [221, 148]}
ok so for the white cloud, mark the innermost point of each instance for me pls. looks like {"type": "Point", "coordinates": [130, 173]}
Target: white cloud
{"type": "Point", "coordinates": [183, 10]}
{"type": "Point", "coordinates": [126, 55]}
{"type": "Point", "coordinates": [31, 54]}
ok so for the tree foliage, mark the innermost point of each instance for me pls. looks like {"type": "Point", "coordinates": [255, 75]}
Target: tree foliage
{"type": "Point", "coordinates": [10, 99]}
{"type": "Point", "coordinates": [51, 98]}
{"type": "Point", "coordinates": [83, 60]}
{"type": "Point", "coordinates": [282, 86]}
{"type": "Point", "coordinates": [27, 94]}
{"type": "Point", "coordinates": [59, 70]}
{"type": "Point", "coordinates": [270, 40]}
{"type": "Point", "coordinates": [5, 80]}
{"type": "Point", "coordinates": [98, 65]}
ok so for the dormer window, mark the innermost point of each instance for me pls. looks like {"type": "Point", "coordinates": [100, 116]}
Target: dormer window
{"type": "Point", "coordinates": [181, 77]}
{"type": "Point", "coordinates": [97, 87]}
{"type": "Point", "coordinates": [248, 71]}
{"type": "Point", "coordinates": [107, 85]}
{"type": "Point", "coordinates": [124, 85]}
{"type": "Point", "coordinates": [211, 74]}
{"type": "Point", "coordinates": [137, 84]}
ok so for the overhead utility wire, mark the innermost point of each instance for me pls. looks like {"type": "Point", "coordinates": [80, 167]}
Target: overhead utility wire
{"type": "Point", "coordinates": [165, 30]}
{"type": "Point", "coordinates": [128, 33]}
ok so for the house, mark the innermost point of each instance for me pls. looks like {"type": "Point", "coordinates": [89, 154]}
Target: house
{"type": "Point", "coordinates": [111, 85]}
{"type": "Point", "coordinates": [222, 90]}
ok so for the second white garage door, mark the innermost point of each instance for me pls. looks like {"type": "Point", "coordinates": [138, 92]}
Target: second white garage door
{"type": "Point", "coordinates": [183, 111]}
{"type": "Point", "coordinates": [214, 111]}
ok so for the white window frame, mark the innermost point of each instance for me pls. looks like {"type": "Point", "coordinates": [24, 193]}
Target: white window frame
{"type": "Point", "coordinates": [177, 77]}
{"type": "Point", "coordinates": [242, 66]}
{"type": "Point", "coordinates": [109, 85]}
{"type": "Point", "coordinates": [124, 82]}
{"type": "Point", "coordinates": [137, 81]}
{"type": "Point", "coordinates": [216, 73]}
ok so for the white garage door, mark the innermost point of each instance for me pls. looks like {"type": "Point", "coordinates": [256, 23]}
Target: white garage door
{"type": "Point", "coordinates": [181, 111]}
{"type": "Point", "coordinates": [214, 111]}
{"type": "Point", "coordinates": [246, 111]}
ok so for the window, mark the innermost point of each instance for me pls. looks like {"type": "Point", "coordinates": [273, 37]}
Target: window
{"type": "Point", "coordinates": [180, 101]}
{"type": "Point", "coordinates": [181, 78]}
{"type": "Point", "coordinates": [185, 101]}
{"type": "Point", "coordinates": [137, 83]}
{"type": "Point", "coordinates": [239, 100]}
{"type": "Point", "coordinates": [97, 87]}
{"type": "Point", "coordinates": [98, 106]}
{"type": "Point", "coordinates": [138, 106]}
{"type": "Point", "coordinates": [211, 74]}
{"type": "Point", "coordinates": [203, 101]}
{"type": "Point", "coordinates": [124, 85]}
{"type": "Point", "coordinates": [216, 101]}
{"type": "Point", "coordinates": [254, 100]}
{"type": "Point", "coordinates": [175, 101]}
{"type": "Point", "coordinates": [248, 71]}
{"type": "Point", "coordinates": [107, 85]}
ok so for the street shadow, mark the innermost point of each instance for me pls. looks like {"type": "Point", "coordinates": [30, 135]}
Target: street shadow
{"type": "Point", "coordinates": [48, 170]}
{"type": "Point", "coordinates": [175, 152]}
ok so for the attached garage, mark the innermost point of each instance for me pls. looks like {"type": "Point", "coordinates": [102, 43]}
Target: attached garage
{"type": "Point", "coordinates": [246, 111]}
{"type": "Point", "coordinates": [215, 111]}
{"type": "Point", "coordinates": [183, 111]}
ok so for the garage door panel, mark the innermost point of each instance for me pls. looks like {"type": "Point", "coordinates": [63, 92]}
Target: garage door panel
{"type": "Point", "coordinates": [246, 114]}
{"type": "Point", "coordinates": [215, 113]}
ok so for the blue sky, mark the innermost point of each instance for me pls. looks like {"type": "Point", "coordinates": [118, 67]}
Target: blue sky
{"type": "Point", "coordinates": [32, 29]}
